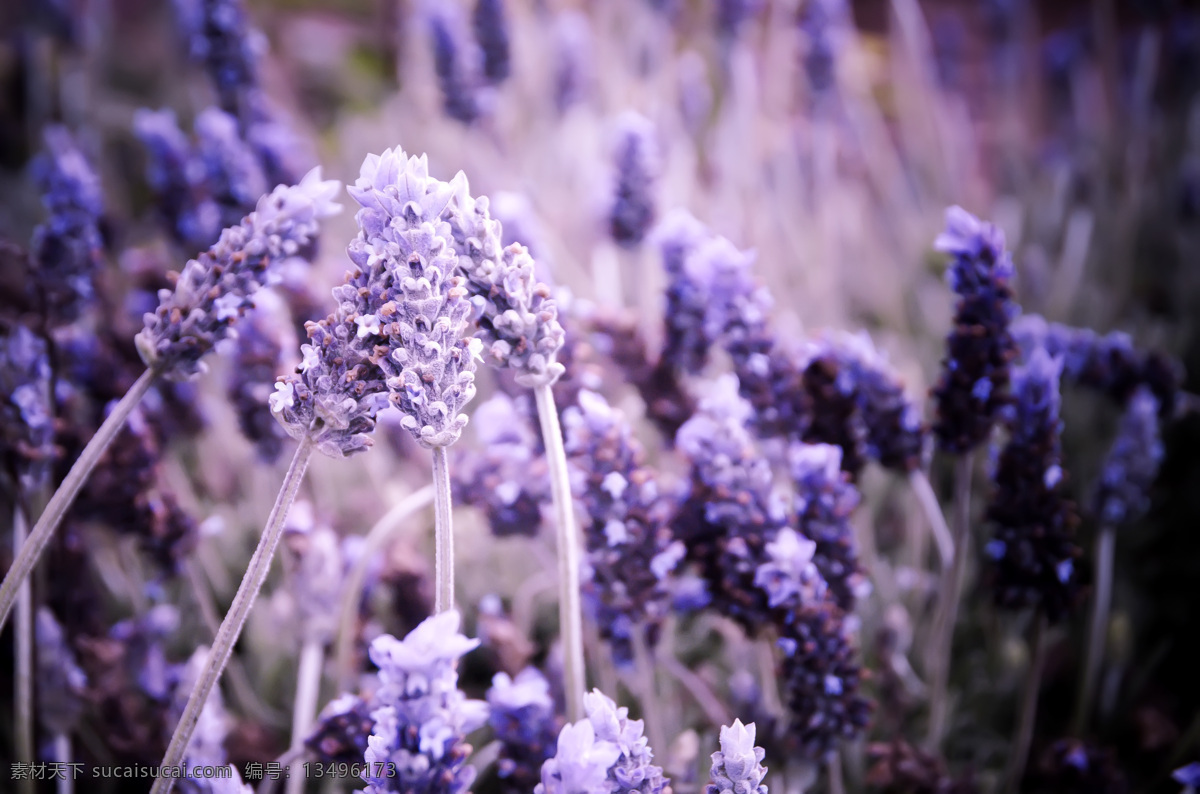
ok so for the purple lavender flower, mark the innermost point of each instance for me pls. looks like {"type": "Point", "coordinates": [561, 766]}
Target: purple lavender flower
{"type": "Point", "coordinates": [256, 363]}
{"type": "Point", "coordinates": [67, 250]}
{"type": "Point", "coordinates": [456, 72]}
{"type": "Point", "coordinates": [422, 716]}
{"type": "Point", "coordinates": [737, 768]}
{"type": "Point", "coordinates": [214, 290]}
{"type": "Point", "coordinates": [177, 182]}
{"type": "Point", "coordinates": [895, 434]}
{"type": "Point", "coordinates": [26, 421]}
{"type": "Point", "coordinates": [824, 500]}
{"type": "Point", "coordinates": [1033, 551]}
{"type": "Point", "coordinates": [573, 66]}
{"type": "Point", "coordinates": [1188, 776]}
{"type": "Point", "coordinates": [687, 342]}
{"type": "Point", "coordinates": [342, 729]}
{"type": "Point", "coordinates": [522, 717]}
{"type": "Point", "coordinates": [975, 373]}
{"type": "Point", "coordinates": [490, 22]}
{"type": "Point", "coordinates": [1123, 493]}
{"type": "Point", "coordinates": [630, 548]}
{"type": "Point", "coordinates": [505, 477]}
{"type": "Point", "coordinates": [60, 682]}
{"type": "Point", "coordinates": [1109, 364]}
{"type": "Point", "coordinates": [636, 164]}
{"type": "Point", "coordinates": [232, 173]}
{"type": "Point", "coordinates": [823, 23]}
{"type": "Point", "coordinates": [219, 36]}
{"type": "Point", "coordinates": [580, 764]}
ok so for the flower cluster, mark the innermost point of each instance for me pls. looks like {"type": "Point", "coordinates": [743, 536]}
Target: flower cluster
{"type": "Point", "coordinates": [824, 500]}
{"type": "Point", "coordinates": [490, 23]}
{"type": "Point", "coordinates": [1122, 494]}
{"type": "Point", "coordinates": [687, 342]}
{"type": "Point", "coordinates": [26, 421]}
{"type": "Point", "coordinates": [972, 389]}
{"type": "Point", "coordinates": [1033, 552]}
{"type": "Point", "coordinates": [61, 684]}
{"type": "Point", "coordinates": [630, 548]}
{"type": "Point", "coordinates": [422, 716]}
{"type": "Point", "coordinates": [604, 754]}
{"type": "Point", "coordinates": [636, 163]}
{"type": "Point", "coordinates": [214, 290]}
{"type": "Point", "coordinates": [257, 361]}
{"type": "Point", "coordinates": [219, 36]}
{"type": "Point", "coordinates": [522, 717]}
{"type": "Point", "coordinates": [737, 768]}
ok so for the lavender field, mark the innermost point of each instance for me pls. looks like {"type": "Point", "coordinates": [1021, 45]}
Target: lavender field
{"type": "Point", "coordinates": [600, 396]}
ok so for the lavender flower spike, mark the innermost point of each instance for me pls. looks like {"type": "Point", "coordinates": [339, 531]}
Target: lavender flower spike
{"type": "Point", "coordinates": [522, 716]}
{"type": "Point", "coordinates": [1122, 495]}
{"type": "Point", "coordinates": [737, 768]}
{"type": "Point", "coordinates": [636, 163]}
{"type": "Point", "coordinates": [581, 764]}
{"type": "Point", "coordinates": [213, 290]}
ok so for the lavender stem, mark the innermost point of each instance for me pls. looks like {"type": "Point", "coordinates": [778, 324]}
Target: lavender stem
{"type": "Point", "coordinates": [651, 710]}
{"type": "Point", "coordinates": [23, 694]}
{"type": "Point", "coordinates": [1098, 631]}
{"type": "Point", "coordinates": [834, 767]}
{"type": "Point", "coordinates": [62, 754]}
{"type": "Point", "coordinates": [308, 690]}
{"type": "Point", "coordinates": [443, 532]}
{"type": "Point", "coordinates": [933, 512]}
{"type": "Point", "coordinates": [239, 611]}
{"type": "Point", "coordinates": [376, 537]}
{"type": "Point", "coordinates": [699, 689]}
{"type": "Point", "coordinates": [1019, 753]}
{"type": "Point", "coordinates": [56, 509]}
{"type": "Point", "coordinates": [946, 612]}
{"type": "Point", "coordinates": [570, 606]}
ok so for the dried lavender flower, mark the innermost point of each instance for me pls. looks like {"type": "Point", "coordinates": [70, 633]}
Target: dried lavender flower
{"type": "Point", "coordinates": [422, 716]}
{"type": "Point", "coordinates": [630, 549]}
{"type": "Point", "coordinates": [522, 717]}
{"type": "Point", "coordinates": [971, 390]}
{"type": "Point", "coordinates": [490, 23]}
{"type": "Point", "coordinates": [66, 250]}
{"type": "Point", "coordinates": [636, 164]}
{"type": "Point", "coordinates": [824, 501]}
{"type": "Point", "coordinates": [60, 683]}
{"type": "Point", "coordinates": [1033, 552]}
{"type": "Point", "coordinates": [214, 290]}
{"type": "Point", "coordinates": [737, 768]}
{"type": "Point", "coordinates": [1123, 493]}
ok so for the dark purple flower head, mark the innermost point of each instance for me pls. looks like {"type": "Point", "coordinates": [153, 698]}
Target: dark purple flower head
{"type": "Point", "coordinates": [636, 164]}
{"type": "Point", "coordinates": [177, 179]}
{"type": "Point", "coordinates": [630, 549]}
{"type": "Point", "coordinates": [490, 22]}
{"type": "Point", "coordinates": [824, 501]}
{"type": "Point", "coordinates": [257, 361]}
{"type": "Point", "coordinates": [454, 62]}
{"type": "Point", "coordinates": [26, 419]}
{"type": "Point", "coordinates": [522, 717]}
{"type": "Point", "coordinates": [1033, 553]}
{"type": "Point", "coordinates": [972, 388]}
{"type": "Point", "coordinates": [213, 291]}
{"type": "Point", "coordinates": [67, 250]}
{"type": "Point", "coordinates": [1123, 493]}
{"type": "Point", "coordinates": [60, 683]}
{"type": "Point", "coordinates": [218, 35]}
{"type": "Point", "coordinates": [824, 24]}
{"type": "Point", "coordinates": [688, 341]}
{"type": "Point", "coordinates": [233, 176]}
{"type": "Point", "coordinates": [341, 730]}
{"type": "Point", "coordinates": [737, 767]}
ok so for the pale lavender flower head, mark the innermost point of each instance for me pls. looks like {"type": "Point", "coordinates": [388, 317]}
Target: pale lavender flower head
{"type": "Point", "coordinates": [581, 763]}
{"type": "Point", "coordinates": [233, 175]}
{"type": "Point", "coordinates": [60, 682]}
{"type": "Point", "coordinates": [574, 68]}
{"type": "Point", "coordinates": [522, 716]}
{"type": "Point", "coordinates": [825, 499]}
{"type": "Point", "coordinates": [789, 572]}
{"type": "Point", "coordinates": [632, 771]}
{"type": "Point", "coordinates": [1123, 492]}
{"type": "Point", "coordinates": [422, 716]}
{"type": "Point", "coordinates": [737, 768]}
{"type": "Point", "coordinates": [636, 161]}
{"type": "Point", "coordinates": [213, 291]}
{"type": "Point", "coordinates": [395, 189]}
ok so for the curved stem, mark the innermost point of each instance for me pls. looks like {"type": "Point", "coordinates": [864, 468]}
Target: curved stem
{"type": "Point", "coordinates": [239, 611]}
{"type": "Point", "coordinates": [946, 613]}
{"type": "Point", "coordinates": [23, 682]}
{"type": "Point", "coordinates": [443, 532]}
{"type": "Point", "coordinates": [699, 689]}
{"type": "Point", "coordinates": [933, 512]}
{"type": "Point", "coordinates": [570, 605]}
{"type": "Point", "coordinates": [308, 690]}
{"type": "Point", "coordinates": [52, 516]}
{"type": "Point", "coordinates": [1019, 753]}
{"type": "Point", "coordinates": [375, 539]}
{"type": "Point", "coordinates": [1099, 626]}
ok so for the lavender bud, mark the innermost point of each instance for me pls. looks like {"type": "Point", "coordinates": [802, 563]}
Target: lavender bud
{"type": "Point", "coordinates": [452, 62]}
{"type": "Point", "coordinates": [422, 716]}
{"type": "Point", "coordinates": [1123, 493]}
{"type": "Point", "coordinates": [219, 36]}
{"type": "Point", "coordinates": [342, 729]}
{"type": "Point", "coordinates": [580, 764]}
{"type": "Point", "coordinates": [825, 499]}
{"type": "Point", "coordinates": [975, 372]}
{"type": "Point", "coordinates": [1033, 551]}
{"type": "Point", "coordinates": [687, 342]}
{"type": "Point", "coordinates": [636, 164]}
{"type": "Point", "coordinates": [230, 166]}
{"type": "Point", "coordinates": [630, 548]}
{"type": "Point", "coordinates": [737, 768]}
{"type": "Point", "coordinates": [490, 22]}
{"type": "Point", "coordinates": [26, 420]}
{"type": "Point", "coordinates": [522, 717]}
{"type": "Point", "coordinates": [67, 250]}
{"type": "Point", "coordinates": [256, 363]}
{"type": "Point", "coordinates": [573, 59]}
{"type": "Point", "coordinates": [632, 770]}
{"type": "Point", "coordinates": [789, 572]}
{"type": "Point", "coordinates": [176, 180]}
{"type": "Point", "coordinates": [214, 290]}
{"type": "Point", "coordinates": [60, 682]}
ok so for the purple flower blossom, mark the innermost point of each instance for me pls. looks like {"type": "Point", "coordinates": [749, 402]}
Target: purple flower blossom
{"type": "Point", "coordinates": [454, 63]}
{"type": "Point", "coordinates": [737, 768]}
{"type": "Point", "coordinates": [630, 549]}
{"type": "Point", "coordinates": [1122, 494]}
{"type": "Point", "coordinates": [581, 763]}
{"type": "Point", "coordinates": [636, 164]}
{"type": "Point", "coordinates": [233, 176]}
{"type": "Point", "coordinates": [60, 683]}
{"type": "Point", "coordinates": [824, 24]}
{"type": "Point", "coordinates": [257, 361]}
{"type": "Point", "coordinates": [972, 388]}
{"type": "Point", "coordinates": [1033, 550]}
{"type": "Point", "coordinates": [422, 716]}
{"type": "Point", "coordinates": [522, 717]}
{"type": "Point", "coordinates": [687, 343]}
{"type": "Point", "coordinates": [825, 499]}
{"type": "Point", "coordinates": [219, 36]}
{"type": "Point", "coordinates": [177, 180]}
{"type": "Point", "coordinates": [26, 420]}
{"type": "Point", "coordinates": [1188, 776]}
{"type": "Point", "coordinates": [342, 729]}
{"type": "Point", "coordinates": [573, 59]}
{"type": "Point", "coordinates": [490, 23]}
{"type": "Point", "coordinates": [186, 324]}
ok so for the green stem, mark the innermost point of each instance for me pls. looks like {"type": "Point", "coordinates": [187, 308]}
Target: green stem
{"type": "Point", "coordinates": [23, 692]}
{"type": "Point", "coordinates": [1027, 716]}
{"type": "Point", "coordinates": [239, 611]}
{"type": "Point", "coordinates": [946, 613]}
{"type": "Point", "coordinates": [570, 606]}
{"type": "Point", "coordinates": [308, 690]}
{"type": "Point", "coordinates": [443, 532]}
{"type": "Point", "coordinates": [1099, 626]}
{"type": "Point", "coordinates": [57, 508]}
{"type": "Point", "coordinates": [376, 537]}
